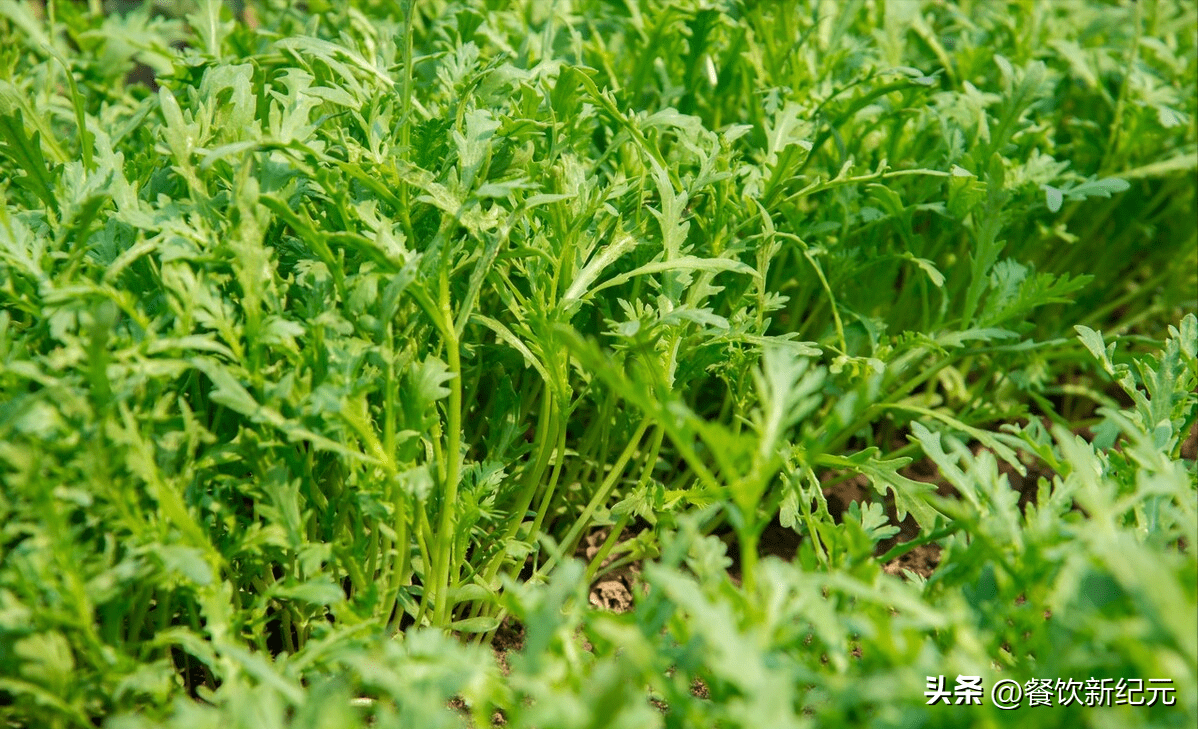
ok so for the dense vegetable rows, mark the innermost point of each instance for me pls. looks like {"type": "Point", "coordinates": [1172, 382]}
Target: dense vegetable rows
{"type": "Point", "coordinates": [337, 340]}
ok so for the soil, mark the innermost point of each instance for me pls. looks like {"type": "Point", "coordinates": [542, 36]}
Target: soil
{"type": "Point", "coordinates": [508, 638]}
{"type": "Point", "coordinates": [1189, 448]}
{"type": "Point", "coordinates": [613, 590]}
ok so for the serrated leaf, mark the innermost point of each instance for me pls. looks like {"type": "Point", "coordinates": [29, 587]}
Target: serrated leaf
{"type": "Point", "coordinates": [1092, 341]}
{"type": "Point", "coordinates": [26, 151]}
{"type": "Point", "coordinates": [873, 520]}
{"type": "Point", "coordinates": [1187, 335]}
{"type": "Point", "coordinates": [909, 495]}
{"type": "Point", "coordinates": [228, 391]}
{"type": "Point", "coordinates": [429, 378]}
{"type": "Point", "coordinates": [994, 441]}
{"type": "Point", "coordinates": [682, 263]}
{"type": "Point", "coordinates": [598, 263]}
{"type": "Point", "coordinates": [788, 389]}
{"type": "Point", "coordinates": [947, 466]}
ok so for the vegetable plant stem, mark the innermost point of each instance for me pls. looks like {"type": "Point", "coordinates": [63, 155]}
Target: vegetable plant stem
{"type": "Point", "coordinates": [443, 549]}
{"type": "Point", "coordinates": [570, 541]}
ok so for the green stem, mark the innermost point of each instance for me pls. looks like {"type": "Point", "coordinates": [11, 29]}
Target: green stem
{"type": "Point", "coordinates": [608, 545]}
{"type": "Point", "coordinates": [423, 532]}
{"type": "Point", "coordinates": [1112, 146]}
{"type": "Point", "coordinates": [444, 539]}
{"type": "Point", "coordinates": [137, 616]}
{"type": "Point", "coordinates": [1095, 318]}
{"type": "Point", "coordinates": [545, 437]}
{"type": "Point", "coordinates": [547, 497]}
{"type": "Point", "coordinates": [405, 117]}
{"type": "Point", "coordinates": [748, 560]}
{"type": "Point", "coordinates": [617, 564]}
{"type": "Point", "coordinates": [285, 626]}
{"type": "Point", "coordinates": [570, 542]}
{"type": "Point", "coordinates": [400, 571]}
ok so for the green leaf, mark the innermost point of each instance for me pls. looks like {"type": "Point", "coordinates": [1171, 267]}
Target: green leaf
{"type": "Point", "coordinates": [910, 496]}
{"type": "Point", "coordinates": [26, 152]}
{"type": "Point", "coordinates": [188, 562]}
{"type": "Point", "coordinates": [994, 441]}
{"type": "Point", "coordinates": [788, 388]}
{"type": "Point", "coordinates": [316, 592]}
{"type": "Point", "coordinates": [475, 625]}
{"type": "Point", "coordinates": [682, 263]}
{"type": "Point", "coordinates": [1098, 188]}
{"type": "Point", "coordinates": [1053, 197]}
{"type": "Point", "coordinates": [46, 659]}
{"type": "Point", "coordinates": [929, 268]}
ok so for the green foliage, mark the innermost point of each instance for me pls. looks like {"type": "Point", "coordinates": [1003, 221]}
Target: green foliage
{"type": "Point", "coordinates": [328, 334]}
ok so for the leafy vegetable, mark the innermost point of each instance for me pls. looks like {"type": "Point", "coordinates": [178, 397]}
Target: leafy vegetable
{"type": "Point", "coordinates": [338, 339]}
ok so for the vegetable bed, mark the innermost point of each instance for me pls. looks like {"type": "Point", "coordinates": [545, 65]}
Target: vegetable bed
{"type": "Point", "coordinates": [593, 364]}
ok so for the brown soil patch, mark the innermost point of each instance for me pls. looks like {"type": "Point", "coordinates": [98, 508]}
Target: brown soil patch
{"type": "Point", "coordinates": [922, 560]}
{"type": "Point", "coordinates": [508, 638]}
{"type": "Point", "coordinates": [612, 591]}
{"type": "Point", "coordinates": [1189, 447]}
{"type": "Point", "coordinates": [778, 541]}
